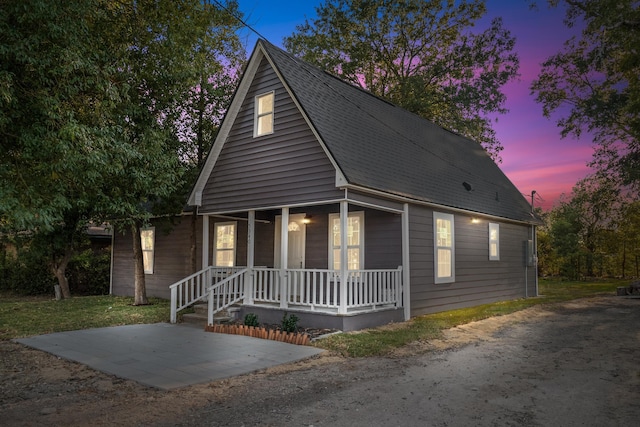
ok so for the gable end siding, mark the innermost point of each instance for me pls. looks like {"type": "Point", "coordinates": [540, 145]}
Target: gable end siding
{"type": "Point", "coordinates": [283, 168]}
{"type": "Point", "coordinates": [478, 280]}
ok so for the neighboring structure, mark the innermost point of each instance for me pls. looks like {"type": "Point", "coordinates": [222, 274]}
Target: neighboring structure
{"type": "Point", "coordinates": [387, 215]}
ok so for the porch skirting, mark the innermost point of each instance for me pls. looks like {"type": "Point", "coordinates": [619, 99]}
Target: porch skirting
{"type": "Point", "coordinates": [352, 321]}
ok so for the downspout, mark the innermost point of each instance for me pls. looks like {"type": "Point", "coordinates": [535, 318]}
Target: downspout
{"type": "Point", "coordinates": [113, 234]}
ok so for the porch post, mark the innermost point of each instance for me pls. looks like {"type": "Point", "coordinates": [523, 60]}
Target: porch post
{"type": "Point", "coordinates": [251, 240]}
{"type": "Point", "coordinates": [205, 242]}
{"type": "Point", "coordinates": [284, 256]}
{"type": "Point", "coordinates": [406, 276]}
{"type": "Point", "coordinates": [344, 259]}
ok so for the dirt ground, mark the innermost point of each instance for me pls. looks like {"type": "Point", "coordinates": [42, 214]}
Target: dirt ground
{"type": "Point", "coordinates": [570, 364]}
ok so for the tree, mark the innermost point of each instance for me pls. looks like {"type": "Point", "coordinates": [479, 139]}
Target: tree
{"type": "Point", "coordinates": [89, 91]}
{"type": "Point", "coordinates": [162, 49]}
{"type": "Point", "coordinates": [419, 55]}
{"type": "Point", "coordinates": [594, 82]}
{"type": "Point", "coordinates": [57, 101]}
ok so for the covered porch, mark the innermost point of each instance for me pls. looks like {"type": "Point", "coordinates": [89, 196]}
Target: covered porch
{"type": "Point", "coordinates": [331, 263]}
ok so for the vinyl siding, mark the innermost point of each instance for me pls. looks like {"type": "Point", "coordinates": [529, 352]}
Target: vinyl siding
{"type": "Point", "coordinates": [286, 167]}
{"type": "Point", "coordinates": [477, 280]}
{"type": "Point", "coordinates": [172, 258]}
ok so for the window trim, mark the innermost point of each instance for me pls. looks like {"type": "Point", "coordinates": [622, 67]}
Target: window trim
{"type": "Point", "coordinates": [215, 241]}
{"type": "Point", "coordinates": [496, 241]}
{"type": "Point", "coordinates": [145, 267]}
{"type": "Point", "coordinates": [445, 217]}
{"type": "Point", "coordinates": [360, 245]}
{"type": "Point", "coordinates": [257, 114]}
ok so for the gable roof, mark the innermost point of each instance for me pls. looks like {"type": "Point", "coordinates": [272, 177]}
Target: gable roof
{"type": "Point", "coordinates": [378, 146]}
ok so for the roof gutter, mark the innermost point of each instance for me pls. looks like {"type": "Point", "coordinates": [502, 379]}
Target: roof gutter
{"type": "Point", "coordinates": [405, 199]}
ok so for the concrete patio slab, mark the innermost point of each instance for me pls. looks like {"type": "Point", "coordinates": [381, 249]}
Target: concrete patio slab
{"type": "Point", "coordinates": [168, 356]}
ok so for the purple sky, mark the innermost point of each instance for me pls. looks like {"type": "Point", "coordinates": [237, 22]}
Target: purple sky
{"type": "Point", "coordinates": [534, 155]}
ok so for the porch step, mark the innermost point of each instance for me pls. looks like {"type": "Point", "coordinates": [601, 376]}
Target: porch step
{"type": "Point", "coordinates": [200, 316]}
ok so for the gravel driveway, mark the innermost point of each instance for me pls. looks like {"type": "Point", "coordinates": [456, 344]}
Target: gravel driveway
{"type": "Point", "coordinates": [570, 364]}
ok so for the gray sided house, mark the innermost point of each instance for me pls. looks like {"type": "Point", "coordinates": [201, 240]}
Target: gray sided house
{"type": "Point", "coordinates": [322, 200]}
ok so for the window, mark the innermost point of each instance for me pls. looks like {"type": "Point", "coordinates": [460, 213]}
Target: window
{"type": "Point", "coordinates": [444, 247]}
{"type": "Point", "coordinates": [147, 242]}
{"type": "Point", "coordinates": [494, 242]}
{"type": "Point", "coordinates": [224, 244]}
{"type": "Point", "coordinates": [355, 241]}
{"type": "Point", "coordinates": [263, 119]}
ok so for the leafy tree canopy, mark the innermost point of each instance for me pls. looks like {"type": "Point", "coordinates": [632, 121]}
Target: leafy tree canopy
{"type": "Point", "coordinates": [594, 82]}
{"type": "Point", "coordinates": [419, 55]}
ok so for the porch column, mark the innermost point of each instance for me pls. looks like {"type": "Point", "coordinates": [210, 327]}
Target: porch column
{"type": "Point", "coordinates": [344, 259]}
{"type": "Point", "coordinates": [284, 256]}
{"type": "Point", "coordinates": [205, 241]}
{"type": "Point", "coordinates": [251, 243]}
{"type": "Point", "coordinates": [406, 276]}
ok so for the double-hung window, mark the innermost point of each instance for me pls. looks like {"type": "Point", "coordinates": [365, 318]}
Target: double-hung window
{"type": "Point", "coordinates": [147, 243]}
{"type": "Point", "coordinates": [494, 242]}
{"type": "Point", "coordinates": [263, 116]}
{"type": "Point", "coordinates": [444, 247]}
{"type": "Point", "coordinates": [225, 244]}
{"type": "Point", "coordinates": [355, 241]}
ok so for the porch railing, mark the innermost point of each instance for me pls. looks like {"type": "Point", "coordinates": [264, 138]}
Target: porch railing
{"type": "Point", "coordinates": [194, 288]}
{"type": "Point", "coordinates": [314, 289]}
{"type": "Point", "coordinates": [320, 289]}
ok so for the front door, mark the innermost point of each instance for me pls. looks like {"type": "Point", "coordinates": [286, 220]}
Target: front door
{"type": "Point", "coordinates": [297, 240]}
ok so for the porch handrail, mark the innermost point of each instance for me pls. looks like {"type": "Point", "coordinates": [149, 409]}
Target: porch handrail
{"type": "Point", "coordinates": [193, 288]}
{"type": "Point", "coordinates": [225, 293]}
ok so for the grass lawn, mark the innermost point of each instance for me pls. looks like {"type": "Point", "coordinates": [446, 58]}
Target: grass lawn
{"type": "Point", "coordinates": [27, 316]}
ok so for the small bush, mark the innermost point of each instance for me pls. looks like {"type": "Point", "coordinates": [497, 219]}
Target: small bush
{"type": "Point", "coordinates": [251, 320]}
{"type": "Point", "coordinates": [289, 323]}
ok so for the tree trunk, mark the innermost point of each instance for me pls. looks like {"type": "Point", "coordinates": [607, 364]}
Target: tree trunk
{"type": "Point", "coordinates": [59, 269]}
{"type": "Point", "coordinates": [140, 288]}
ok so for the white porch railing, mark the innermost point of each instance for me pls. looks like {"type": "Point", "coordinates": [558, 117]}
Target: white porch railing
{"type": "Point", "coordinates": [194, 288]}
{"type": "Point", "coordinates": [320, 289]}
{"type": "Point", "coordinates": [313, 289]}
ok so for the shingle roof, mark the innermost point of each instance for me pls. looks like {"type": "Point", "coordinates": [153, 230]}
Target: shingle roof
{"type": "Point", "coordinates": [380, 146]}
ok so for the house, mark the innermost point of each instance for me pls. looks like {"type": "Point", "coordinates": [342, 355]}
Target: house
{"type": "Point", "coordinates": [320, 199]}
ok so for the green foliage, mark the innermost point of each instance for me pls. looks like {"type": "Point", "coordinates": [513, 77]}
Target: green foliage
{"type": "Point", "coordinates": [289, 323]}
{"type": "Point", "coordinates": [251, 319]}
{"type": "Point", "coordinates": [382, 340]}
{"type": "Point", "coordinates": [27, 272]}
{"type": "Point", "coordinates": [21, 317]}
{"type": "Point", "coordinates": [422, 56]}
{"type": "Point", "coordinates": [594, 83]}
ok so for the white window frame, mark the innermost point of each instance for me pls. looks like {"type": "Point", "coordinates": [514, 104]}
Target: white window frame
{"type": "Point", "coordinates": [148, 269]}
{"type": "Point", "coordinates": [494, 241]}
{"type": "Point", "coordinates": [359, 246]}
{"type": "Point", "coordinates": [450, 248]}
{"type": "Point", "coordinates": [215, 242]}
{"type": "Point", "coordinates": [258, 115]}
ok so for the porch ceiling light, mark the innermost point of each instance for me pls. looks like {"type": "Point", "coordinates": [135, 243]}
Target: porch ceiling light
{"type": "Point", "coordinates": [475, 221]}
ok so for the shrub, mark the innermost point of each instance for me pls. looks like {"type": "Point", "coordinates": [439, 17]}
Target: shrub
{"type": "Point", "coordinates": [251, 320]}
{"type": "Point", "coordinates": [289, 323]}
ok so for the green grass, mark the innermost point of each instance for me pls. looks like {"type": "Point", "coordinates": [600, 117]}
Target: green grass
{"type": "Point", "coordinates": [382, 340]}
{"type": "Point", "coordinates": [27, 316]}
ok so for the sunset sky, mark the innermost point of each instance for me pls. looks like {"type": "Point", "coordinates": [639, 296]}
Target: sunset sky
{"type": "Point", "coordinates": [534, 155]}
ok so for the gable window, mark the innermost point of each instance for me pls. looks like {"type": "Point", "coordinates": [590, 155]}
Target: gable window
{"type": "Point", "coordinates": [147, 243]}
{"type": "Point", "coordinates": [444, 247]}
{"type": "Point", "coordinates": [224, 244]}
{"type": "Point", "coordinates": [494, 242]}
{"type": "Point", "coordinates": [263, 119]}
{"type": "Point", "coordinates": [355, 241]}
